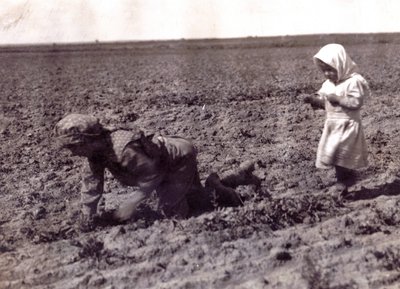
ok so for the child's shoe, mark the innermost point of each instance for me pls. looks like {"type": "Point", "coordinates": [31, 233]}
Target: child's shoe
{"type": "Point", "coordinates": [241, 176]}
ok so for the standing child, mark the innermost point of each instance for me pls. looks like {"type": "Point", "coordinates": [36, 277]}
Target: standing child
{"type": "Point", "coordinates": [342, 143]}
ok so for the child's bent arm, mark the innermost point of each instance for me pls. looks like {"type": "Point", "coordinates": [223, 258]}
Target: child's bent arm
{"type": "Point", "coordinates": [351, 102]}
{"type": "Point", "coordinates": [354, 97]}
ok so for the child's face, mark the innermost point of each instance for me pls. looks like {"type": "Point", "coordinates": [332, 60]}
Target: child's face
{"type": "Point", "coordinates": [329, 72]}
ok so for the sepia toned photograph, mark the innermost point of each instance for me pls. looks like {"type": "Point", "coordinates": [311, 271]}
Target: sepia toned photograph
{"type": "Point", "coordinates": [190, 144]}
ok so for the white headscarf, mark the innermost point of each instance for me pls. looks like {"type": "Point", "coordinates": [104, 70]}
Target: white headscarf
{"type": "Point", "coordinates": [335, 55]}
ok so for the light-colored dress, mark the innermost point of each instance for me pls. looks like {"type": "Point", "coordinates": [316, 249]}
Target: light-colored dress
{"type": "Point", "coordinates": [342, 142]}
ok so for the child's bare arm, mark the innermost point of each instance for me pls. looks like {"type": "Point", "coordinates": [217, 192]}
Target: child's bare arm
{"type": "Point", "coordinates": [354, 96]}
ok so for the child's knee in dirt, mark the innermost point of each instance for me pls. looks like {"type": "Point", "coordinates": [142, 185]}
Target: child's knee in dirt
{"type": "Point", "coordinates": [228, 197]}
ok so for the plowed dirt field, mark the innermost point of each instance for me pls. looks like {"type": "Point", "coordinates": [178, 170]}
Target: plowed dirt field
{"type": "Point", "coordinates": [238, 101]}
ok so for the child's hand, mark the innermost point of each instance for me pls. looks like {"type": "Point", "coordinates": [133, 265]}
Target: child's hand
{"type": "Point", "coordinates": [316, 102]}
{"type": "Point", "coordinates": [308, 99]}
{"type": "Point", "coordinates": [124, 212]}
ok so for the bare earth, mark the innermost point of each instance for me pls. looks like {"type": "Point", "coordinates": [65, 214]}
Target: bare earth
{"type": "Point", "coordinates": [237, 101]}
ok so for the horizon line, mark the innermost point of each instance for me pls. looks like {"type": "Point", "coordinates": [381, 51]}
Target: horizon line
{"type": "Point", "coordinates": [138, 41]}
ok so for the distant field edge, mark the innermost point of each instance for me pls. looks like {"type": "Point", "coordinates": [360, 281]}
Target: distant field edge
{"type": "Point", "coordinates": [228, 43]}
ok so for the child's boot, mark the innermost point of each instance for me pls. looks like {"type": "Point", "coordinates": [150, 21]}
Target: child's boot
{"type": "Point", "coordinates": [241, 176]}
